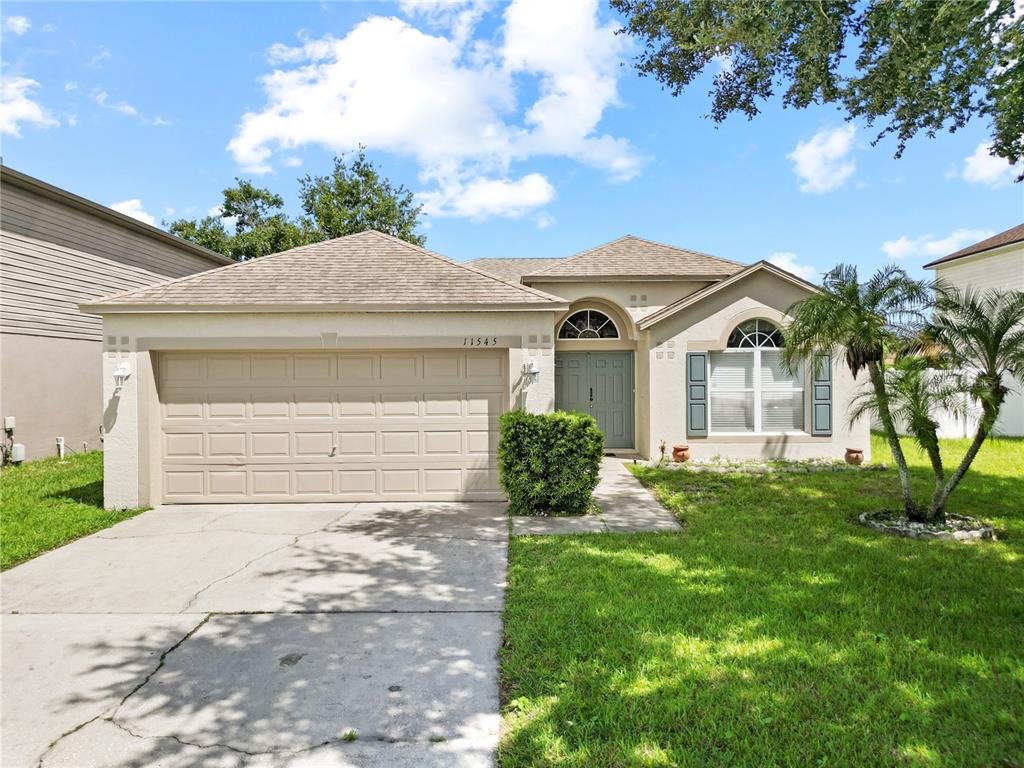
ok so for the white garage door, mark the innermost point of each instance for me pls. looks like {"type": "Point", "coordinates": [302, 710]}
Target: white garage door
{"type": "Point", "coordinates": [324, 426]}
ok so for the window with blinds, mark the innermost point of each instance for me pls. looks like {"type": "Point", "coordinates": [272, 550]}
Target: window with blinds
{"type": "Point", "coordinates": [750, 390]}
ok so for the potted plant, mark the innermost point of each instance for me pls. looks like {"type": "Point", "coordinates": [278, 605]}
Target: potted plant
{"type": "Point", "coordinates": [681, 453]}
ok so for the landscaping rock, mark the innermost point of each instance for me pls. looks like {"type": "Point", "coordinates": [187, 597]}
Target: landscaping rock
{"type": "Point", "coordinates": [956, 528]}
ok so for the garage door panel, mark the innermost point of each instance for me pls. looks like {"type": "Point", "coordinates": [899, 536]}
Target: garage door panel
{"type": "Point", "coordinates": [275, 444]}
{"type": "Point", "coordinates": [314, 443]}
{"type": "Point", "coordinates": [331, 425]}
{"type": "Point", "coordinates": [270, 369]}
{"type": "Point", "coordinates": [275, 404]}
{"type": "Point", "coordinates": [399, 404]}
{"type": "Point", "coordinates": [399, 443]}
{"type": "Point", "coordinates": [184, 445]}
{"type": "Point", "coordinates": [399, 368]}
{"type": "Point", "coordinates": [314, 482]}
{"type": "Point", "coordinates": [314, 404]}
{"type": "Point", "coordinates": [314, 368]}
{"type": "Point", "coordinates": [357, 443]}
{"type": "Point", "coordinates": [227, 368]}
{"type": "Point", "coordinates": [226, 444]}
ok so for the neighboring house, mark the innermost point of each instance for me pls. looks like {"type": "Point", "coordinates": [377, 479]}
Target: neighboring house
{"type": "Point", "coordinates": [995, 263]}
{"type": "Point", "coordinates": [57, 250]}
{"type": "Point", "coordinates": [366, 368]}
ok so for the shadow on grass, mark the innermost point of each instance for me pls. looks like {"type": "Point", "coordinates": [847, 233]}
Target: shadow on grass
{"type": "Point", "coordinates": [771, 632]}
{"type": "Point", "coordinates": [90, 493]}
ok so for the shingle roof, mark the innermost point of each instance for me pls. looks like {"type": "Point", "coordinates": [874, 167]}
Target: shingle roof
{"type": "Point", "coordinates": [1012, 235]}
{"type": "Point", "coordinates": [634, 258]}
{"type": "Point", "coordinates": [365, 269]}
{"type": "Point", "coordinates": [513, 269]}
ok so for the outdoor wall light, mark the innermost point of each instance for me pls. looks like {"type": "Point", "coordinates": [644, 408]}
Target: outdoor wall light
{"type": "Point", "coordinates": [121, 374]}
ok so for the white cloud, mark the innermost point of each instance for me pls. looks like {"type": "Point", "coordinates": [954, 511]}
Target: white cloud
{"type": "Point", "coordinates": [101, 55]}
{"type": "Point", "coordinates": [449, 102]}
{"type": "Point", "coordinates": [483, 197]}
{"type": "Point", "coordinates": [985, 168]}
{"type": "Point", "coordinates": [72, 120]}
{"type": "Point", "coordinates": [822, 162]}
{"type": "Point", "coordinates": [158, 121]}
{"type": "Point", "coordinates": [291, 162]}
{"type": "Point", "coordinates": [70, 86]}
{"type": "Point", "coordinates": [931, 246]}
{"type": "Point", "coordinates": [457, 17]}
{"type": "Point", "coordinates": [17, 107]}
{"type": "Point", "coordinates": [787, 261]}
{"type": "Point", "coordinates": [103, 99]}
{"type": "Point", "coordinates": [134, 209]}
{"type": "Point", "coordinates": [545, 220]}
{"type": "Point", "coordinates": [49, 28]}
{"type": "Point", "coordinates": [17, 25]}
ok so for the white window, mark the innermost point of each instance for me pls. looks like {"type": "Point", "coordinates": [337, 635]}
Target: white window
{"type": "Point", "coordinates": [749, 387]}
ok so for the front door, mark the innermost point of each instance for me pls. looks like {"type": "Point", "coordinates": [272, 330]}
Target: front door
{"type": "Point", "coordinates": [601, 384]}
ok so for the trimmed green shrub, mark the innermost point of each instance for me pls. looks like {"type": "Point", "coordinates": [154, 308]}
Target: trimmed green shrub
{"type": "Point", "coordinates": [549, 462]}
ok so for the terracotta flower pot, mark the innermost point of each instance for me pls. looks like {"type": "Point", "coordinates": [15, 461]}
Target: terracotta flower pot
{"type": "Point", "coordinates": [854, 456]}
{"type": "Point", "coordinates": [681, 452]}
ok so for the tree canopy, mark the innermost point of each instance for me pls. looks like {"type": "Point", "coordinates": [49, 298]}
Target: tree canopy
{"type": "Point", "coordinates": [918, 66]}
{"type": "Point", "coordinates": [353, 197]}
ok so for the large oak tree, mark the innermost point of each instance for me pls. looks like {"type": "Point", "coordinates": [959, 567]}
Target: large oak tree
{"type": "Point", "coordinates": [905, 66]}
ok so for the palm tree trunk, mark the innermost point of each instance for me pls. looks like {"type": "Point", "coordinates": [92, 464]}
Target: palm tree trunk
{"type": "Point", "coordinates": [937, 507]}
{"type": "Point", "coordinates": [965, 464]}
{"type": "Point", "coordinates": [891, 436]}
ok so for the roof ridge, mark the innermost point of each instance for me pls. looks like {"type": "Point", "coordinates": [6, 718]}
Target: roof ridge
{"type": "Point", "coordinates": [588, 251]}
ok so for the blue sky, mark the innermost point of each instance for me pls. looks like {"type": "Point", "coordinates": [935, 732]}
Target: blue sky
{"type": "Point", "coordinates": [520, 126]}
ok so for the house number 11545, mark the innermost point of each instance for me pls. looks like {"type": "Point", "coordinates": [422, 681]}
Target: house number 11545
{"type": "Point", "coordinates": [480, 341]}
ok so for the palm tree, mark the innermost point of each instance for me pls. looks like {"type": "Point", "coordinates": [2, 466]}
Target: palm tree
{"type": "Point", "coordinates": [864, 320]}
{"type": "Point", "coordinates": [981, 335]}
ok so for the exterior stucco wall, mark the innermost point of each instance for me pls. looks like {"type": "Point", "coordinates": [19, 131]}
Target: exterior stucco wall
{"type": "Point", "coordinates": [705, 327]}
{"type": "Point", "coordinates": [1001, 269]}
{"type": "Point", "coordinates": [130, 462]}
{"type": "Point", "coordinates": [52, 388]}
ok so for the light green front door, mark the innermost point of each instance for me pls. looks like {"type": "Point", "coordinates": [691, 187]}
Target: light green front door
{"type": "Point", "coordinates": [601, 384]}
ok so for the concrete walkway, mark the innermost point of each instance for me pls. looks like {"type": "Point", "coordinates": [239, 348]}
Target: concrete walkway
{"type": "Point", "coordinates": [327, 635]}
{"type": "Point", "coordinates": [626, 507]}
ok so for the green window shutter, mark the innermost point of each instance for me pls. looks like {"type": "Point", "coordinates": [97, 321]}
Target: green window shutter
{"type": "Point", "coordinates": [821, 396]}
{"type": "Point", "coordinates": [696, 394]}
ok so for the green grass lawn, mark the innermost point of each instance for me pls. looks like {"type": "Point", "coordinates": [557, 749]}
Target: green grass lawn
{"type": "Point", "coordinates": [44, 504]}
{"type": "Point", "coordinates": [773, 630]}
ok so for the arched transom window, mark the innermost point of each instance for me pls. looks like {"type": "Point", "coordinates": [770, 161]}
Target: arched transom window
{"type": "Point", "coordinates": [756, 333]}
{"type": "Point", "coordinates": [588, 324]}
{"type": "Point", "coordinates": [750, 387]}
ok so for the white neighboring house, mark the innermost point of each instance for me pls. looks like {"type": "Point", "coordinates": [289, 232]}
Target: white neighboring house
{"type": "Point", "coordinates": [995, 263]}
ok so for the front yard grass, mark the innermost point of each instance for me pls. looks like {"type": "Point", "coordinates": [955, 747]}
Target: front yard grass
{"type": "Point", "coordinates": [773, 630]}
{"type": "Point", "coordinates": [44, 504]}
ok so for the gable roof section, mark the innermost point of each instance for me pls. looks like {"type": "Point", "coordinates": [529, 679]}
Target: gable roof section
{"type": "Point", "coordinates": [1009, 237]}
{"type": "Point", "coordinates": [513, 269]}
{"type": "Point", "coordinates": [633, 258]}
{"type": "Point", "coordinates": [698, 296]}
{"type": "Point", "coordinates": [369, 270]}
{"type": "Point", "coordinates": [16, 178]}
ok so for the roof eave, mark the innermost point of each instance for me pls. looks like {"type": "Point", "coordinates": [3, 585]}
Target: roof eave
{"type": "Point", "coordinates": [313, 308]}
{"type": "Point", "coordinates": [629, 278]}
{"type": "Point", "coordinates": [992, 251]}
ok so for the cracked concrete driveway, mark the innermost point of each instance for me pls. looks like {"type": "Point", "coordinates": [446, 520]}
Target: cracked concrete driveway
{"type": "Point", "coordinates": [264, 635]}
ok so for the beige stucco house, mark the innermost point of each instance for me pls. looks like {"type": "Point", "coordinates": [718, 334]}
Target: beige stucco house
{"type": "Point", "coordinates": [994, 263]}
{"type": "Point", "coordinates": [366, 368]}
{"type": "Point", "coordinates": [57, 250]}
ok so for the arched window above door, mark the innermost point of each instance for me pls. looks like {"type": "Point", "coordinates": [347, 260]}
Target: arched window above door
{"type": "Point", "coordinates": [588, 324]}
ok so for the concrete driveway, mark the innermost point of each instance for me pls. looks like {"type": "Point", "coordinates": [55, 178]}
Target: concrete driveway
{"type": "Point", "coordinates": [272, 635]}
